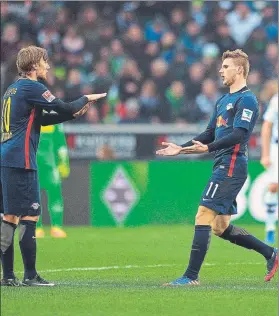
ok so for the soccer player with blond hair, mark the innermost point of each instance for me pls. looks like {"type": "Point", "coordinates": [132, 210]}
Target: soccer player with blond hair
{"type": "Point", "coordinates": [227, 135]}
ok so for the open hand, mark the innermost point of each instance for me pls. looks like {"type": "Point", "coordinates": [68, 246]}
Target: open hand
{"type": "Point", "coordinates": [91, 98]}
{"type": "Point", "coordinates": [197, 148]}
{"type": "Point", "coordinates": [95, 97]}
{"type": "Point", "coordinates": [171, 150]}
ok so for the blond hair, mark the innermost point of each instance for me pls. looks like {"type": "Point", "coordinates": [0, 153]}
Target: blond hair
{"type": "Point", "coordinates": [240, 59]}
{"type": "Point", "coordinates": [29, 56]}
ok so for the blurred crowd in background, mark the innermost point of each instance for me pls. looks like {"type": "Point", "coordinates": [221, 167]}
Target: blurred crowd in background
{"type": "Point", "coordinates": [158, 61]}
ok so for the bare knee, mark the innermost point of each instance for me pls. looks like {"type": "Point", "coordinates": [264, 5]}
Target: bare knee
{"type": "Point", "coordinates": [220, 225]}
{"type": "Point", "coordinates": [273, 187]}
{"type": "Point", "coordinates": [218, 231]}
{"type": "Point", "coordinates": [11, 218]}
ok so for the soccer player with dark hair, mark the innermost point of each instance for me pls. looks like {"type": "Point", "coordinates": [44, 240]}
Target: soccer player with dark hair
{"type": "Point", "coordinates": [227, 134]}
{"type": "Point", "coordinates": [27, 105]}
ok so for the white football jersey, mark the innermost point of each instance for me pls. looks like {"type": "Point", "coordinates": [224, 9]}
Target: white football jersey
{"type": "Point", "coordinates": [271, 115]}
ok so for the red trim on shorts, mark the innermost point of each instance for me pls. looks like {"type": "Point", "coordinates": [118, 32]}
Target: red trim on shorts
{"type": "Point", "coordinates": [236, 150]}
{"type": "Point", "coordinates": [27, 139]}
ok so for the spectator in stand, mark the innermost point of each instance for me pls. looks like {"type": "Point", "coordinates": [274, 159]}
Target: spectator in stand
{"type": "Point", "coordinates": [206, 100]}
{"type": "Point", "coordinates": [48, 37]}
{"type": "Point", "coordinates": [72, 42]}
{"type": "Point", "coordinates": [254, 82]}
{"type": "Point", "coordinates": [154, 30]}
{"type": "Point", "coordinates": [210, 55]}
{"type": "Point", "coordinates": [194, 81]}
{"type": "Point", "coordinates": [62, 19]}
{"type": "Point", "coordinates": [269, 21]}
{"type": "Point", "coordinates": [134, 43]}
{"type": "Point", "coordinates": [150, 53]}
{"type": "Point", "coordinates": [126, 18]}
{"type": "Point", "coordinates": [177, 20]}
{"type": "Point", "coordinates": [175, 98]}
{"type": "Point", "coordinates": [178, 68]}
{"type": "Point", "coordinates": [216, 16]}
{"type": "Point", "coordinates": [256, 45]}
{"type": "Point", "coordinates": [198, 12]}
{"type": "Point", "coordinates": [129, 81]}
{"type": "Point", "coordinates": [132, 113]}
{"type": "Point", "coordinates": [223, 38]}
{"type": "Point", "coordinates": [9, 41]}
{"type": "Point", "coordinates": [191, 40]}
{"type": "Point", "coordinates": [168, 47]}
{"type": "Point", "coordinates": [92, 116]}
{"type": "Point", "coordinates": [89, 23]}
{"type": "Point", "coordinates": [159, 73]}
{"type": "Point", "coordinates": [118, 57]}
{"type": "Point", "coordinates": [73, 85]}
{"type": "Point", "coordinates": [101, 78]}
{"type": "Point", "coordinates": [270, 61]}
{"type": "Point", "coordinates": [149, 101]}
{"type": "Point", "coordinates": [242, 21]}
{"type": "Point", "coordinates": [106, 33]}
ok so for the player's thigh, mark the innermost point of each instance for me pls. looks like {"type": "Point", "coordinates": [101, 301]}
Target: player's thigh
{"type": "Point", "coordinates": [20, 189]}
{"type": "Point", "coordinates": [205, 216]}
{"type": "Point", "coordinates": [221, 191]}
{"type": "Point", "coordinates": [220, 224]}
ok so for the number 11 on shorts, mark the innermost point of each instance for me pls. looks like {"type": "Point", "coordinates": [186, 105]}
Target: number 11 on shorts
{"type": "Point", "coordinates": [214, 190]}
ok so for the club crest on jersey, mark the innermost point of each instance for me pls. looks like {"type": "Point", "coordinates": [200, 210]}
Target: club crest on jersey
{"type": "Point", "coordinates": [48, 96]}
{"type": "Point", "coordinates": [229, 106]}
{"type": "Point", "coordinates": [221, 121]}
{"type": "Point", "coordinates": [247, 115]}
{"type": "Point", "coordinates": [35, 206]}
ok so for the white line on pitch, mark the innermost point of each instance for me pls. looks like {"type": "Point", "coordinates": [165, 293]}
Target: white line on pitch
{"type": "Point", "coordinates": [138, 267]}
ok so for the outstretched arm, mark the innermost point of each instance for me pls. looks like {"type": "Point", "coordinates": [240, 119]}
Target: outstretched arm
{"type": "Point", "coordinates": [205, 137]}
{"type": "Point", "coordinates": [235, 137]}
{"type": "Point", "coordinates": [37, 95]}
{"type": "Point", "coordinates": [55, 118]}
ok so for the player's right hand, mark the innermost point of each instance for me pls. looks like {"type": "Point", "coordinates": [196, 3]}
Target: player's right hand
{"type": "Point", "coordinates": [265, 161]}
{"type": "Point", "coordinates": [171, 150]}
{"type": "Point", "coordinates": [95, 97]}
{"type": "Point", "coordinates": [91, 98]}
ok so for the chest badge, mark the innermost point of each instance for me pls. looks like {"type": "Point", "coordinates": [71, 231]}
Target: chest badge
{"type": "Point", "coordinates": [229, 106]}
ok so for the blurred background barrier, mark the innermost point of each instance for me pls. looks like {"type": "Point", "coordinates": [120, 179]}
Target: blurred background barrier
{"type": "Point", "coordinates": [137, 141]}
{"type": "Point", "coordinates": [162, 192]}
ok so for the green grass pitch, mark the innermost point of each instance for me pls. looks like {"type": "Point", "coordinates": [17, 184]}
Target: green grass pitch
{"type": "Point", "coordinates": [119, 271]}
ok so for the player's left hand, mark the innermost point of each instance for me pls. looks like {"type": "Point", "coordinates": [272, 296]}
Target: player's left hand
{"type": "Point", "coordinates": [197, 148]}
{"type": "Point", "coordinates": [171, 150]}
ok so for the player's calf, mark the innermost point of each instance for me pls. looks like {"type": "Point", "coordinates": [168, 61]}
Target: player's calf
{"type": "Point", "coordinates": [28, 247]}
{"type": "Point", "coordinates": [7, 249]}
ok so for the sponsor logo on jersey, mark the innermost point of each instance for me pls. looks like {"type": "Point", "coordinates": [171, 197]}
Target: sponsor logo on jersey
{"type": "Point", "coordinates": [48, 96]}
{"type": "Point", "coordinates": [247, 115]}
{"type": "Point", "coordinates": [221, 121]}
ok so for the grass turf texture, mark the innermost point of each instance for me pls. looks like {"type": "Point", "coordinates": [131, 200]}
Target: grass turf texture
{"type": "Point", "coordinates": [126, 269]}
